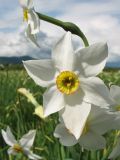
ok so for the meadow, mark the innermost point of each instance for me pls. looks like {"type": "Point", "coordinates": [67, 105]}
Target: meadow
{"type": "Point", "coordinates": [17, 112]}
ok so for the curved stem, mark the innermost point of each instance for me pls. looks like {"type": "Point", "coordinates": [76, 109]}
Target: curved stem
{"type": "Point", "coordinates": [67, 26]}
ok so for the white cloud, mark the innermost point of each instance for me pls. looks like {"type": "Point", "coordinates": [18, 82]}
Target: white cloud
{"type": "Point", "coordinates": [16, 44]}
{"type": "Point", "coordinates": [99, 23]}
{"type": "Point", "coordinates": [98, 19]}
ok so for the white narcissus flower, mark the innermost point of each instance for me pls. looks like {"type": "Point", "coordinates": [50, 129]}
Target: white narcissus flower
{"type": "Point", "coordinates": [115, 105]}
{"type": "Point", "coordinates": [116, 151]}
{"type": "Point", "coordinates": [70, 78]}
{"type": "Point", "coordinates": [98, 123]}
{"type": "Point", "coordinates": [32, 37]}
{"type": "Point", "coordinates": [115, 94]}
{"type": "Point", "coordinates": [32, 19]}
{"type": "Point", "coordinates": [21, 146]}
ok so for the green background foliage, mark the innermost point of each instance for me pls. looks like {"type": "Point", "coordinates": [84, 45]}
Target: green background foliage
{"type": "Point", "coordinates": [17, 112]}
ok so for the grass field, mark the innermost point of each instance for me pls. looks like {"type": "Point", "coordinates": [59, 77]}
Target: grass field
{"type": "Point", "coordinates": [17, 112]}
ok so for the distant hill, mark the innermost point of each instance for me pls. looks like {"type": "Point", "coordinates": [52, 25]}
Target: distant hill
{"type": "Point", "coordinates": [18, 60]}
{"type": "Point", "coordinates": [14, 60]}
{"type": "Point", "coordinates": [114, 64]}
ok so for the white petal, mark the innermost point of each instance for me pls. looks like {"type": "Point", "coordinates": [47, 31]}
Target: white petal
{"type": "Point", "coordinates": [75, 98]}
{"type": "Point", "coordinates": [92, 59]}
{"type": "Point", "coordinates": [64, 136]}
{"type": "Point", "coordinates": [116, 151]}
{"type": "Point", "coordinates": [28, 139]}
{"type": "Point", "coordinates": [34, 22]}
{"type": "Point", "coordinates": [115, 93]}
{"type": "Point", "coordinates": [96, 92]}
{"type": "Point", "coordinates": [9, 133]}
{"type": "Point", "coordinates": [115, 124]}
{"type": "Point", "coordinates": [8, 137]}
{"type": "Point", "coordinates": [92, 141]}
{"type": "Point", "coordinates": [63, 54]}
{"type": "Point", "coordinates": [31, 37]}
{"type": "Point", "coordinates": [53, 101]}
{"type": "Point", "coordinates": [31, 155]}
{"type": "Point", "coordinates": [41, 71]}
{"type": "Point", "coordinates": [26, 3]}
{"type": "Point", "coordinates": [11, 151]}
{"type": "Point", "coordinates": [76, 117]}
{"type": "Point", "coordinates": [101, 120]}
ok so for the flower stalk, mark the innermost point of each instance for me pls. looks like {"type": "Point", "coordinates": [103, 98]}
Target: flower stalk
{"type": "Point", "coordinates": [67, 26]}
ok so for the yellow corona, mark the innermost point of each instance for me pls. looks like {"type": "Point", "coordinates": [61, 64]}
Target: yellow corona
{"type": "Point", "coordinates": [118, 108]}
{"type": "Point", "coordinates": [67, 82]}
{"type": "Point", "coordinates": [17, 148]}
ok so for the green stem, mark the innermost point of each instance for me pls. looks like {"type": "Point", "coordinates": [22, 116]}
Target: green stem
{"type": "Point", "coordinates": [105, 156]}
{"type": "Point", "coordinates": [67, 26]}
{"type": "Point", "coordinates": [10, 157]}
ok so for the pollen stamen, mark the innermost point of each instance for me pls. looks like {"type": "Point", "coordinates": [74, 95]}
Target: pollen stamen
{"type": "Point", "coordinates": [17, 148]}
{"type": "Point", "coordinates": [25, 14]}
{"type": "Point", "coordinates": [118, 108]}
{"type": "Point", "coordinates": [67, 82]}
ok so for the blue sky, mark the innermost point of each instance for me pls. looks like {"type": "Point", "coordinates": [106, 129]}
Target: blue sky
{"type": "Point", "coordinates": [100, 21]}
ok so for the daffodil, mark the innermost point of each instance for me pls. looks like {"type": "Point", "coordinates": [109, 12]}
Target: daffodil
{"type": "Point", "coordinates": [115, 94]}
{"type": "Point", "coordinates": [115, 107]}
{"type": "Point", "coordinates": [32, 19]}
{"type": "Point", "coordinates": [98, 123]}
{"type": "Point", "coordinates": [31, 37]}
{"type": "Point", "coordinates": [70, 77]}
{"type": "Point", "coordinates": [22, 146]}
{"type": "Point", "coordinates": [115, 104]}
{"type": "Point", "coordinates": [116, 151]}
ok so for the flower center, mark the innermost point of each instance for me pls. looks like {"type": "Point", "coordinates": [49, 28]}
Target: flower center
{"type": "Point", "coordinates": [17, 148]}
{"type": "Point", "coordinates": [118, 108]}
{"type": "Point", "coordinates": [25, 14]}
{"type": "Point", "coordinates": [67, 82]}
